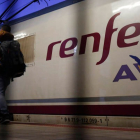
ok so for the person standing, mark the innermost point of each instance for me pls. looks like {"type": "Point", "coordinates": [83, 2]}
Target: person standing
{"type": "Point", "coordinates": [5, 35]}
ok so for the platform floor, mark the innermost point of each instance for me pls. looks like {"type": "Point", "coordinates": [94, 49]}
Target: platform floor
{"type": "Point", "coordinates": [65, 132]}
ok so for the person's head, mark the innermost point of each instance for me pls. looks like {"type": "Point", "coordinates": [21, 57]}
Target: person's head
{"type": "Point", "coordinates": [6, 28]}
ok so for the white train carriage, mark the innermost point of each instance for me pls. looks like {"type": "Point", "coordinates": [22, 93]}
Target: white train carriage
{"type": "Point", "coordinates": [78, 61]}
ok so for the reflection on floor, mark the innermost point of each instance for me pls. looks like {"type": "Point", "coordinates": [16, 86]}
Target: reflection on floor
{"type": "Point", "coordinates": [65, 132]}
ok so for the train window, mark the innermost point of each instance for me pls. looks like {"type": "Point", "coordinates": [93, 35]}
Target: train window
{"type": "Point", "coordinates": [27, 48]}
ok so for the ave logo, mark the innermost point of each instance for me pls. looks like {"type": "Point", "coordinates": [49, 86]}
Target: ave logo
{"type": "Point", "coordinates": [128, 73]}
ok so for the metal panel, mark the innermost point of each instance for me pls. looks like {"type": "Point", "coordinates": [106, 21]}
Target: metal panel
{"type": "Point", "coordinates": [27, 48]}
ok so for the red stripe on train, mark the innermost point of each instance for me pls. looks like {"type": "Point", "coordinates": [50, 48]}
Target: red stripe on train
{"type": "Point", "coordinates": [119, 110]}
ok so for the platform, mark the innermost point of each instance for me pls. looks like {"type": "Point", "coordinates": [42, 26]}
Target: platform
{"type": "Point", "coordinates": [17, 131]}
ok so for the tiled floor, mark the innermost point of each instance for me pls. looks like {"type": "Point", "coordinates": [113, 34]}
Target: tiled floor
{"type": "Point", "coordinates": [60, 132]}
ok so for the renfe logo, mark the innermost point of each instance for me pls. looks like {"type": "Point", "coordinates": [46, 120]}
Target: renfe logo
{"type": "Point", "coordinates": [107, 41]}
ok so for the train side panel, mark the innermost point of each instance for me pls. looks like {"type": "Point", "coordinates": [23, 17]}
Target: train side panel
{"type": "Point", "coordinates": [82, 59]}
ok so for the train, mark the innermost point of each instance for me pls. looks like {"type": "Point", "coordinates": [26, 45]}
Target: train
{"type": "Point", "coordinates": [78, 60]}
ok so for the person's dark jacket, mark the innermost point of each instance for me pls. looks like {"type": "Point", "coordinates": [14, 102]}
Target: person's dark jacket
{"type": "Point", "coordinates": [4, 36]}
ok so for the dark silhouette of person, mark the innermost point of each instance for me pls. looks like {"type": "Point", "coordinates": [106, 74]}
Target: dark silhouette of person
{"type": "Point", "coordinates": [5, 35]}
